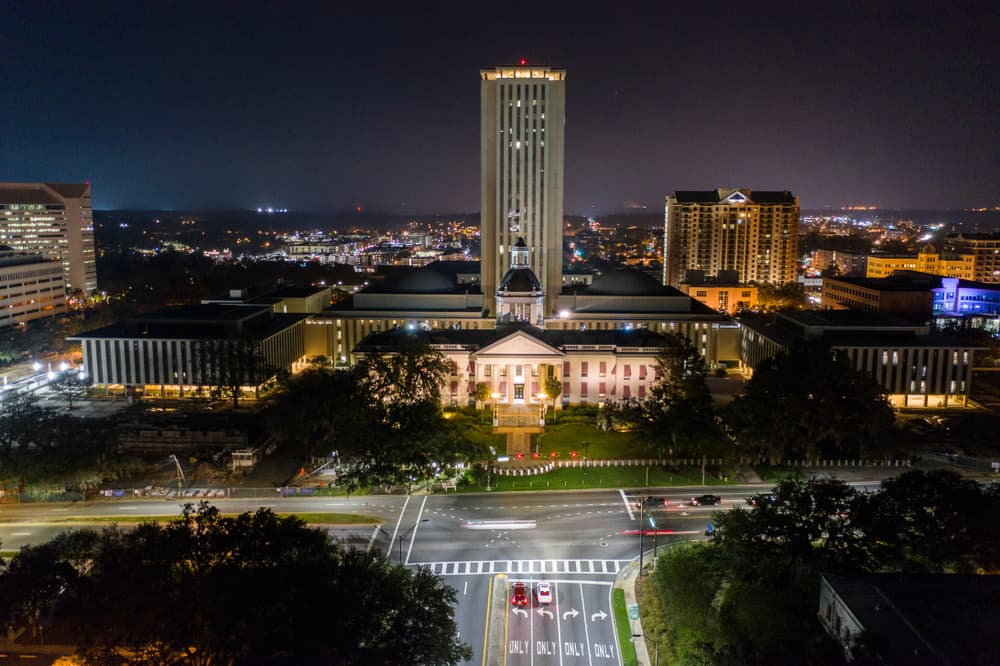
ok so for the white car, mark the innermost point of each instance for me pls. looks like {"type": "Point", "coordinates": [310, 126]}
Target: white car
{"type": "Point", "coordinates": [543, 593]}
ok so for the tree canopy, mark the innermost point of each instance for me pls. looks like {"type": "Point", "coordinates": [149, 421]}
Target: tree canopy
{"type": "Point", "coordinates": [748, 596]}
{"type": "Point", "coordinates": [40, 445]}
{"type": "Point", "coordinates": [383, 417]}
{"type": "Point", "coordinates": [809, 402]}
{"type": "Point", "coordinates": [679, 416]}
{"type": "Point", "coordinates": [772, 297]}
{"type": "Point", "coordinates": [254, 588]}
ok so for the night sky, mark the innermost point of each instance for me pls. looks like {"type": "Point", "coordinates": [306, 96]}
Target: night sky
{"type": "Point", "coordinates": [327, 106]}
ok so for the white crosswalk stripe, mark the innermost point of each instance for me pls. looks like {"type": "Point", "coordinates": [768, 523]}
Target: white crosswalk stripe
{"type": "Point", "coordinates": [519, 567]}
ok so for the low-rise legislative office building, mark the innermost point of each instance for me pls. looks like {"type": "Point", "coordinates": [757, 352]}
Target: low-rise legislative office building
{"type": "Point", "coordinates": [163, 353]}
{"type": "Point", "coordinates": [916, 367]}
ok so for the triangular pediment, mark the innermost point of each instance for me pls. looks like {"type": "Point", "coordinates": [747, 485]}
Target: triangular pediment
{"type": "Point", "coordinates": [737, 197]}
{"type": "Point", "coordinates": [520, 344]}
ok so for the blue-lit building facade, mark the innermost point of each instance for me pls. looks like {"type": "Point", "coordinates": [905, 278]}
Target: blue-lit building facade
{"type": "Point", "coordinates": [967, 304]}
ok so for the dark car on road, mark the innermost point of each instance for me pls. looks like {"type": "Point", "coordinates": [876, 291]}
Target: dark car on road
{"type": "Point", "coordinates": [706, 500]}
{"type": "Point", "coordinates": [755, 500]}
{"type": "Point", "coordinates": [654, 501]}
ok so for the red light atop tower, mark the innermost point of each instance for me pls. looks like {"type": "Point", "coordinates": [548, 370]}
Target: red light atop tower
{"type": "Point", "coordinates": [523, 62]}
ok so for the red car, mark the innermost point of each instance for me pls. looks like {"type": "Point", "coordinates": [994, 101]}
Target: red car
{"type": "Point", "coordinates": [519, 596]}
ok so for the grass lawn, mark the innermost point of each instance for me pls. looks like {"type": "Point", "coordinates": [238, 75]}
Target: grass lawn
{"type": "Point", "coordinates": [625, 645]}
{"type": "Point", "coordinates": [600, 444]}
{"type": "Point", "coordinates": [600, 477]}
{"type": "Point", "coordinates": [775, 473]}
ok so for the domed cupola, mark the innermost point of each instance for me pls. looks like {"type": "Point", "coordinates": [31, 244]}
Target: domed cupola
{"type": "Point", "coordinates": [519, 294]}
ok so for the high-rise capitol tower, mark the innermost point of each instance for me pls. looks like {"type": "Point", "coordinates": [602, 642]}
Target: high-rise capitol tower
{"type": "Point", "coordinates": [522, 134]}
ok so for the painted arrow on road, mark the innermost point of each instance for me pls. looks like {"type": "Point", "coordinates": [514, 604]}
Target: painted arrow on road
{"type": "Point", "coordinates": [572, 612]}
{"type": "Point", "coordinates": [542, 611]}
{"type": "Point", "coordinates": [519, 611]}
{"type": "Point", "coordinates": [595, 616]}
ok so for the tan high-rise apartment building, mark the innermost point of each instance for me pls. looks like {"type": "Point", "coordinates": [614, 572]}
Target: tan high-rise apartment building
{"type": "Point", "coordinates": [522, 138]}
{"type": "Point", "coordinates": [754, 233]}
{"type": "Point", "coordinates": [54, 220]}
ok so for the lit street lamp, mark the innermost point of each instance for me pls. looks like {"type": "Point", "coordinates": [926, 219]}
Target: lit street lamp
{"type": "Point", "coordinates": [541, 411]}
{"type": "Point", "coordinates": [496, 408]}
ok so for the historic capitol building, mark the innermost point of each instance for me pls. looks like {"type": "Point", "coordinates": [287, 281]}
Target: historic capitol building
{"type": "Point", "coordinates": [518, 324]}
{"type": "Point", "coordinates": [509, 321]}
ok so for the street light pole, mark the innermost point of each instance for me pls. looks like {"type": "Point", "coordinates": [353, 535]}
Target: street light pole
{"type": "Point", "coordinates": [652, 524]}
{"type": "Point", "coordinates": [642, 504]}
{"type": "Point", "coordinates": [404, 535]}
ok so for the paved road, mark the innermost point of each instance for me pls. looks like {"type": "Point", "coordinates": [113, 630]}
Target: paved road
{"type": "Point", "coordinates": [481, 544]}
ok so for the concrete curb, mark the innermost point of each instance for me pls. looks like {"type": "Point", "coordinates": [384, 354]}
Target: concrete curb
{"type": "Point", "coordinates": [625, 581]}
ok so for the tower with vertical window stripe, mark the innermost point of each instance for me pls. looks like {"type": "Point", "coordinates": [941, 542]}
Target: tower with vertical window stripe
{"type": "Point", "coordinates": [523, 121]}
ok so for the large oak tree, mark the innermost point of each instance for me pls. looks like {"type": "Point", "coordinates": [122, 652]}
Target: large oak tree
{"type": "Point", "coordinates": [809, 402]}
{"type": "Point", "coordinates": [252, 589]}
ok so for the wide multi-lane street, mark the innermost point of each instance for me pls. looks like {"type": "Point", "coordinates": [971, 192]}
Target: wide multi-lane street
{"type": "Point", "coordinates": [481, 544]}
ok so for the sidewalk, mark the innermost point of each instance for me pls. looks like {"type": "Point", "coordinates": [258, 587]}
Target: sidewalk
{"type": "Point", "coordinates": [626, 581]}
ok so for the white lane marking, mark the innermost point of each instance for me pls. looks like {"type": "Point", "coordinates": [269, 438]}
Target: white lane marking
{"type": "Point", "coordinates": [628, 505]}
{"type": "Point", "coordinates": [555, 591]}
{"type": "Point", "coordinates": [60, 509]}
{"type": "Point", "coordinates": [399, 520]}
{"type": "Point", "coordinates": [20, 533]}
{"type": "Point", "coordinates": [523, 567]}
{"type": "Point", "coordinates": [465, 588]}
{"type": "Point", "coordinates": [499, 524]}
{"type": "Point", "coordinates": [586, 630]}
{"type": "Point", "coordinates": [614, 625]}
{"type": "Point", "coordinates": [416, 527]}
{"type": "Point", "coordinates": [128, 508]}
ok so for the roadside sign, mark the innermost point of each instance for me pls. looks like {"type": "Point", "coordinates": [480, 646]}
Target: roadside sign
{"type": "Point", "coordinates": [633, 611]}
{"type": "Point", "coordinates": [710, 528]}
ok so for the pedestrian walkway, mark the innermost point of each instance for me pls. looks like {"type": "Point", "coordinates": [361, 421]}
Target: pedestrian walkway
{"type": "Point", "coordinates": [626, 582]}
{"type": "Point", "coordinates": [525, 567]}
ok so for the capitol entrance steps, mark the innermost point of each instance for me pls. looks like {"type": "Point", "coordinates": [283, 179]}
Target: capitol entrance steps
{"type": "Point", "coordinates": [519, 423]}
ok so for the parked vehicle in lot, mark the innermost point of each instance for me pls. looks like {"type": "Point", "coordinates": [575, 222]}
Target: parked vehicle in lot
{"type": "Point", "coordinates": [543, 593]}
{"type": "Point", "coordinates": [755, 500]}
{"type": "Point", "coordinates": [519, 595]}
{"type": "Point", "coordinates": [706, 500]}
